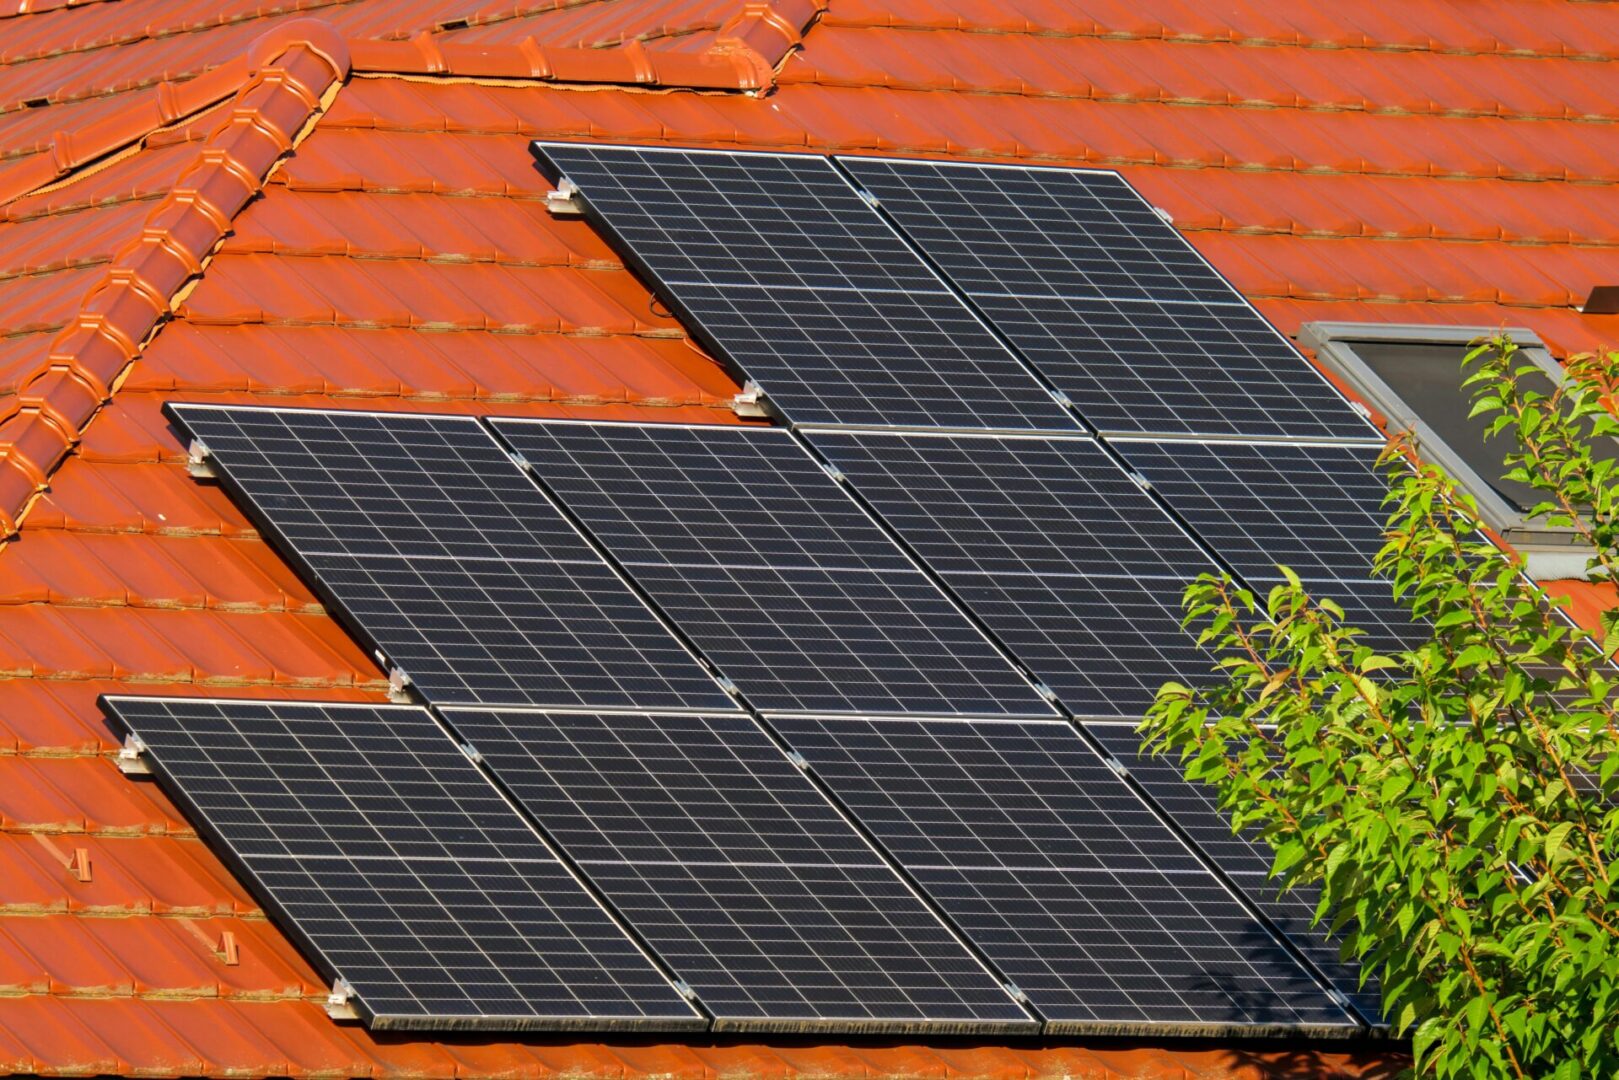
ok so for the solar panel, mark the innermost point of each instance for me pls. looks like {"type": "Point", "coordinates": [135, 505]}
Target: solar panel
{"type": "Point", "coordinates": [799, 284]}
{"type": "Point", "coordinates": [398, 867]}
{"type": "Point", "coordinates": [433, 546]}
{"type": "Point", "coordinates": [1051, 545]}
{"type": "Point", "coordinates": [1244, 861]}
{"type": "Point", "coordinates": [739, 873]}
{"type": "Point", "coordinates": [1316, 509]}
{"type": "Point", "coordinates": [1107, 300]}
{"type": "Point", "coordinates": [1062, 876]}
{"type": "Point", "coordinates": [771, 569]}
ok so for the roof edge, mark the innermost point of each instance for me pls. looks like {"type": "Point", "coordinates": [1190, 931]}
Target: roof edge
{"type": "Point", "coordinates": [290, 70]}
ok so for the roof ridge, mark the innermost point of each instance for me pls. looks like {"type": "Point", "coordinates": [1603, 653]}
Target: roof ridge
{"type": "Point", "coordinates": [287, 73]}
{"type": "Point", "coordinates": [745, 54]}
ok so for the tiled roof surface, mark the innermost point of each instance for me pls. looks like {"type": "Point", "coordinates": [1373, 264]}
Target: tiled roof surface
{"type": "Point", "coordinates": [351, 177]}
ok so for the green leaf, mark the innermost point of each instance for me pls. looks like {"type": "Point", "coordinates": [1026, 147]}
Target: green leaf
{"type": "Point", "coordinates": [1610, 630]}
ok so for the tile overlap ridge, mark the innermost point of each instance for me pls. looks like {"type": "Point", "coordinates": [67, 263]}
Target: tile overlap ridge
{"type": "Point", "coordinates": [289, 71]}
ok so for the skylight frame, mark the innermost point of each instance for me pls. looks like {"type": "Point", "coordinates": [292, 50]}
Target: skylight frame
{"type": "Point", "coordinates": [1553, 551]}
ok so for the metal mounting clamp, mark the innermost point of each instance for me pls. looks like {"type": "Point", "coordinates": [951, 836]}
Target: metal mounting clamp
{"type": "Point", "coordinates": [750, 402]}
{"type": "Point", "coordinates": [398, 686]}
{"type": "Point", "coordinates": [340, 1002]}
{"type": "Point", "coordinates": [565, 201]}
{"type": "Point", "coordinates": [132, 757]}
{"type": "Point", "coordinates": [197, 460]}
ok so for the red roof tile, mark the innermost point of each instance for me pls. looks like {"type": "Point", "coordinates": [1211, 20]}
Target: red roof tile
{"type": "Point", "coordinates": [1448, 163]}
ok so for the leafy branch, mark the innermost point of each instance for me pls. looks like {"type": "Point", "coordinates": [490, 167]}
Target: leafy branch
{"type": "Point", "coordinates": [1457, 802]}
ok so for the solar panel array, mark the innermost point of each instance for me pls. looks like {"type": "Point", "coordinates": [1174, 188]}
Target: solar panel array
{"type": "Point", "coordinates": [401, 869]}
{"type": "Point", "coordinates": [771, 569]}
{"type": "Point", "coordinates": [1051, 545]}
{"type": "Point", "coordinates": [436, 548]}
{"type": "Point", "coordinates": [795, 280]}
{"type": "Point", "coordinates": [1107, 300]}
{"type": "Point", "coordinates": [1035, 848]}
{"type": "Point", "coordinates": [903, 822]}
{"type": "Point", "coordinates": [738, 872]}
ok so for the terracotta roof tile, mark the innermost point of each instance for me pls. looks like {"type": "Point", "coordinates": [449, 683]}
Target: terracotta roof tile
{"type": "Point", "coordinates": [336, 159]}
{"type": "Point", "coordinates": [116, 570]}
{"type": "Point", "coordinates": [499, 368]}
{"type": "Point", "coordinates": [380, 294]}
{"type": "Point", "coordinates": [1489, 26]}
{"type": "Point", "coordinates": [597, 24]}
{"type": "Point", "coordinates": [508, 231]}
{"type": "Point", "coordinates": [159, 499]}
{"type": "Point", "coordinates": [40, 245]}
{"type": "Point", "coordinates": [1160, 71]}
{"type": "Point", "coordinates": [143, 176]}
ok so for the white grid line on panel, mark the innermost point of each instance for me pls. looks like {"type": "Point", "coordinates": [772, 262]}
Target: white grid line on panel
{"type": "Point", "coordinates": [1243, 858]}
{"type": "Point", "coordinates": [1051, 545]}
{"type": "Point", "coordinates": [1107, 300]}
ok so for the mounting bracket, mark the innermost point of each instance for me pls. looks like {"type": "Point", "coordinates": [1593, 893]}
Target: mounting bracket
{"type": "Point", "coordinates": [750, 402]}
{"type": "Point", "coordinates": [565, 201]}
{"type": "Point", "coordinates": [197, 461]}
{"type": "Point", "coordinates": [398, 686]}
{"type": "Point", "coordinates": [340, 1002]}
{"type": "Point", "coordinates": [132, 759]}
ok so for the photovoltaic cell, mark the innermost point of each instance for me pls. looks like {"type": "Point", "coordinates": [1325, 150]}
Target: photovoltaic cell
{"type": "Point", "coordinates": [1107, 300]}
{"type": "Point", "coordinates": [1315, 509]}
{"type": "Point", "coordinates": [739, 873]}
{"type": "Point", "coordinates": [1245, 862]}
{"type": "Point", "coordinates": [400, 869]}
{"type": "Point", "coordinates": [1051, 545]}
{"type": "Point", "coordinates": [434, 546]}
{"type": "Point", "coordinates": [1061, 875]}
{"type": "Point", "coordinates": [771, 569]}
{"type": "Point", "coordinates": [801, 285]}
